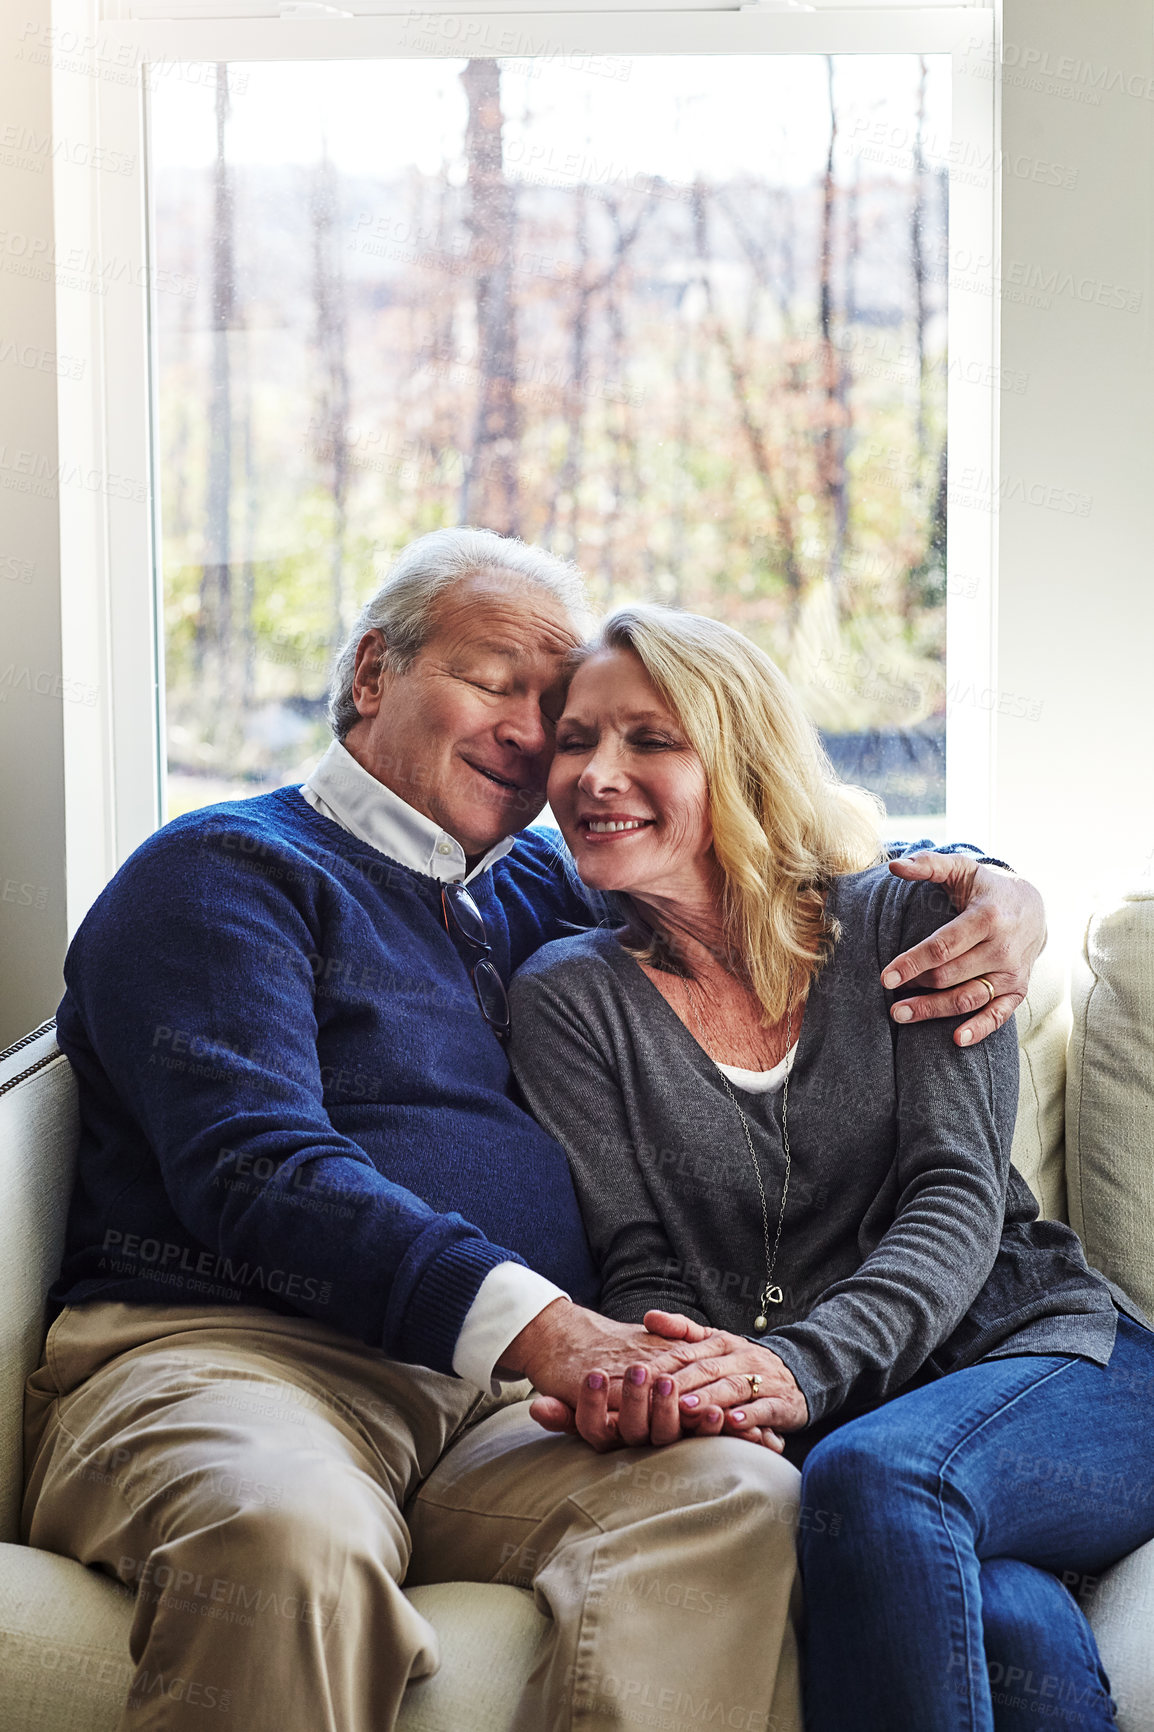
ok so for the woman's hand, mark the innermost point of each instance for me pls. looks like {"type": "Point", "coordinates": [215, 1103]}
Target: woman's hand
{"type": "Point", "coordinates": [648, 1414]}
{"type": "Point", "coordinates": [703, 1392]}
{"type": "Point", "coordinates": [714, 1393]}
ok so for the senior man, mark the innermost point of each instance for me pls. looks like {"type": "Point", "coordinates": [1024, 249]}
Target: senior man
{"type": "Point", "coordinates": [315, 1248]}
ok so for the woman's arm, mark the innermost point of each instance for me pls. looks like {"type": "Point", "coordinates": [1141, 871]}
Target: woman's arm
{"type": "Point", "coordinates": [571, 1087]}
{"type": "Point", "coordinates": [924, 1264]}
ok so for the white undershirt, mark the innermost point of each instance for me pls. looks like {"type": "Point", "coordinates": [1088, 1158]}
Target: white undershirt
{"type": "Point", "coordinates": [760, 1082]}
{"type": "Point", "coordinates": [342, 790]}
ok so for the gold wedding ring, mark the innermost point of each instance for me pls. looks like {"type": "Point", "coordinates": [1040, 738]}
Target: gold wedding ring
{"type": "Point", "coordinates": [989, 985]}
{"type": "Point", "coordinates": [754, 1384]}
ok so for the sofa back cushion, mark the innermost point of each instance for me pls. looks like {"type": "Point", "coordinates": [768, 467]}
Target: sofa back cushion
{"type": "Point", "coordinates": [1039, 1150]}
{"type": "Point", "coordinates": [39, 1126]}
{"type": "Point", "coordinates": [1110, 1094]}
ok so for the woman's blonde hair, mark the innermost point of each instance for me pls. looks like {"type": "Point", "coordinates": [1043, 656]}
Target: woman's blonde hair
{"type": "Point", "coordinates": [783, 824]}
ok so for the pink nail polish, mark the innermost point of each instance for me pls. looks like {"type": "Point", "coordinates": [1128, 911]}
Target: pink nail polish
{"type": "Point", "coordinates": [595, 1380]}
{"type": "Point", "coordinates": [636, 1374]}
{"type": "Point", "coordinates": [737, 1418]}
{"type": "Point", "coordinates": [664, 1386]}
{"type": "Point", "coordinates": [690, 1400]}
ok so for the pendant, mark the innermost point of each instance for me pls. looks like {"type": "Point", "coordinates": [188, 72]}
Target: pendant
{"type": "Point", "coordinates": [760, 1325]}
{"type": "Point", "coordinates": [773, 1296]}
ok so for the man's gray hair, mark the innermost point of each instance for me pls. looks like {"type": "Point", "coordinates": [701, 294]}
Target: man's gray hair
{"type": "Point", "coordinates": [402, 609]}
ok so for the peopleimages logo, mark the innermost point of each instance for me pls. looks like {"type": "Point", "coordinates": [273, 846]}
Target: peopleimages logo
{"type": "Point", "coordinates": [1069, 69]}
{"type": "Point", "coordinates": [36, 256]}
{"type": "Point", "coordinates": [1065, 75]}
{"type": "Point", "coordinates": [23, 146]}
{"type": "Point", "coordinates": [31, 472]}
{"type": "Point", "coordinates": [129, 1251]}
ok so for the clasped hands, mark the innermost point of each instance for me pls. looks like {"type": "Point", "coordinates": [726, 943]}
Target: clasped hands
{"type": "Point", "coordinates": [617, 1384]}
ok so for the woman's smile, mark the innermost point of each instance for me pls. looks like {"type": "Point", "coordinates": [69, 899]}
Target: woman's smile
{"type": "Point", "coordinates": [626, 787]}
{"type": "Point", "coordinates": [611, 827]}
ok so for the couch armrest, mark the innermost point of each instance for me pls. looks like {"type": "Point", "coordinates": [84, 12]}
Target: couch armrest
{"type": "Point", "coordinates": [38, 1131]}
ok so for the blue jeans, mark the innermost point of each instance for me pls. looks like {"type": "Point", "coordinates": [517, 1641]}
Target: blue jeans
{"type": "Point", "coordinates": [960, 1522]}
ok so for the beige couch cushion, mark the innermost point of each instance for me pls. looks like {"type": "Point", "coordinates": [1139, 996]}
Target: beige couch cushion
{"type": "Point", "coordinates": [489, 1638]}
{"type": "Point", "coordinates": [65, 1664]}
{"type": "Point", "coordinates": [1120, 1607]}
{"type": "Point", "coordinates": [1110, 1094]}
{"type": "Point", "coordinates": [1039, 1151]}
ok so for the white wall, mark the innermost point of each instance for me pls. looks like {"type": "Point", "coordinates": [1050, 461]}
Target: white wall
{"type": "Point", "coordinates": [32, 844]}
{"type": "Point", "coordinates": [1074, 789]}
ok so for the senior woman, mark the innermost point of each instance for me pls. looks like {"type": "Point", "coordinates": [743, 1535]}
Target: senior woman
{"type": "Point", "coordinates": [757, 1147]}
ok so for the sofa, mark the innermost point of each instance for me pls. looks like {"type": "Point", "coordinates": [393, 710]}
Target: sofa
{"type": "Point", "coordinates": [1084, 1141]}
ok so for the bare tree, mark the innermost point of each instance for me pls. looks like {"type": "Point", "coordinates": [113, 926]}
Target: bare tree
{"type": "Point", "coordinates": [688, 355]}
{"type": "Point", "coordinates": [918, 259]}
{"type": "Point", "coordinates": [179, 507]}
{"type": "Point", "coordinates": [252, 494]}
{"type": "Point", "coordinates": [589, 285]}
{"type": "Point", "coordinates": [577, 381]}
{"type": "Point", "coordinates": [853, 242]}
{"type": "Point", "coordinates": [489, 495]}
{"type": "Point", "coordinates": [783, 529]}
{"type": "Point", "coordinates": [331, 313]}
{"type": "Point", "coordinates": [830, 435]}
{"type": "Point", "coordinates": [214, 631]}
{"type": "Point", "coordinates": [438, 298]}
{"type": "Point", "coordinates": [625, 483]}
{"type": "Point", "coordinates": [770, 251]}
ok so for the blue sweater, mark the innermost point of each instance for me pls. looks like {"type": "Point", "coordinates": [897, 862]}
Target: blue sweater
{"type": "Point", "coordinates": [289, 1096]}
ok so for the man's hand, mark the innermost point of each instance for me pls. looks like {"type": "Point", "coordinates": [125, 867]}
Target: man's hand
{"type": "Point", "coordinates": [998, 935]}
{"type": "Point", "coordinates": [601, 1378]}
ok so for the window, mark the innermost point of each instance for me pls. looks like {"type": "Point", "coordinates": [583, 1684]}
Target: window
{"type": "Point", "coordinates": [681, 319]}
{"type": "Point", "coordinates": [742, 442]}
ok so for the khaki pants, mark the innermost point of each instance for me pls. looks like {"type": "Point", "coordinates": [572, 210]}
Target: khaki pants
{"type": "Point", "coordinates": [266, 1482]}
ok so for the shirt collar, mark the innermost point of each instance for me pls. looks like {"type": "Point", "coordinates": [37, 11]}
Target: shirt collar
{"type": "Point", "coordinates": [355, 800]}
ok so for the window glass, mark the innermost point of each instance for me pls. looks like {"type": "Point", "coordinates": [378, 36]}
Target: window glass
{"type": "Point", "coordinates": [680, 318]}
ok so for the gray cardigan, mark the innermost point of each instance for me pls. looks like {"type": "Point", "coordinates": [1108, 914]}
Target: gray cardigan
{"type": "Point", "coordinates": [910, 1244]}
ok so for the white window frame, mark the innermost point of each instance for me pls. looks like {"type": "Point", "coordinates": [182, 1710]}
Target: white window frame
{"type": "Point", "coordinates": [115, 770]}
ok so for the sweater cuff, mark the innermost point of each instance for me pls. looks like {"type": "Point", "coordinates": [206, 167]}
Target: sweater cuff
{"type": "Point", "coordinates": [440, 1301]}
{"type": "Point", "coordinates": [926, 845]}
{"type": "Point", "coordinates": [507, 1301]}
{"type": "Point", "coordinates": [819, 1383]}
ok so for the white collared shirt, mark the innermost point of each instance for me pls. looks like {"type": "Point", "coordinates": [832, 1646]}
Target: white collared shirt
{"type": "Point", "coordinates": [342, 790]}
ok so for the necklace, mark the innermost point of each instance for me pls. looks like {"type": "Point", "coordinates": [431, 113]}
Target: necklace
{"type": "Point", "coordinates": [771, 1293]}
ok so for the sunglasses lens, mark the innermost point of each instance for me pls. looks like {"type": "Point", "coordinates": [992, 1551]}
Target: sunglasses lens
{"type": "Point", "coordinates": [491, 994]}
{"type": "Point", "coordinates": [465, 914]}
